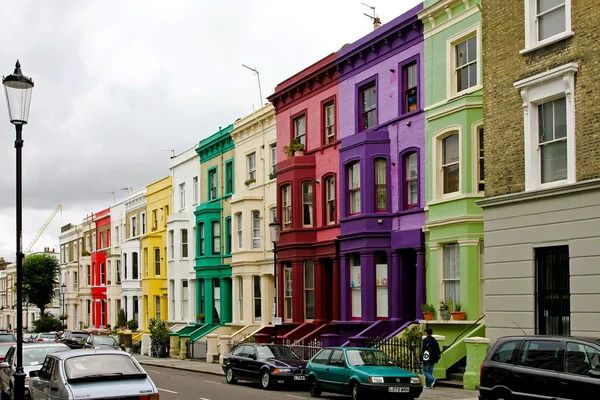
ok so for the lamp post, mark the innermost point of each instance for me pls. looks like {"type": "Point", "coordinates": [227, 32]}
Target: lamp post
{"type": "Point", "coordinates": [63, 290]}
{"type": "Point", "coordinates": [18, 88]}
{"type": "Point", "coordinates": [275, 228]}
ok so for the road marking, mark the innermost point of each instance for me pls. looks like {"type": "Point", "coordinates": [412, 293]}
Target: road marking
{"type": "Point", "coordinates": [202, 398]}
{"type": "Point", "coordinates": [295, 397]}
{"type": "Point", "coordinates": [216, 383]}
{"type": "Point", "coordinates": [154, 372]}
{"type": "Point", "coordinates": [167, 390]}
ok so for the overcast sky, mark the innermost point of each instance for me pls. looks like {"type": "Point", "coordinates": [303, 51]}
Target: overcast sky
{"type": "Point", "coordinates": [118, 82]}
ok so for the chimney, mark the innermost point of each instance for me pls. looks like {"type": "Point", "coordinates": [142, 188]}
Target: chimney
{"type": "Point", "coordinates": [376, 23]}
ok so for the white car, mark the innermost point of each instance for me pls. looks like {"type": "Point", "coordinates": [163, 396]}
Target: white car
{"type": "Point", "coordinates": [92, 375]}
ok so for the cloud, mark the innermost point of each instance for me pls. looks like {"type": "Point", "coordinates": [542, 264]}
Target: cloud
{"type": "Point", "coordinates": [118, 82]}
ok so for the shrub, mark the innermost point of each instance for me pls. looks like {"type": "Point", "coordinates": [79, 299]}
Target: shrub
{"type": "Point", "coordinates": [47, 323]}
{"type": "Point", "coordinates": [121, 319]}
{"type": "Point", "coordinates": [132, 325]}
{"type": "Point", "coordinates": [159, 338]}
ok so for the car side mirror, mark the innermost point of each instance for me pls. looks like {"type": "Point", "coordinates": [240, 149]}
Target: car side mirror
{"type": "Point", "coordinates": [594, 373]}
{"type": "Point", "coordinates": [34, 374]}
{"type": "Point", "coordinates": [4, 364]}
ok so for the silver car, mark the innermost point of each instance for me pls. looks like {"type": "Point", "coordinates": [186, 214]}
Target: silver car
{"type": "Point", "coordinates": [34, 355]}
{"type": "Point", "coordinates": [91, 374]}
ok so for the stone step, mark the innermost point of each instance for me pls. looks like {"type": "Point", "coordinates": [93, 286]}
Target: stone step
{"type": "Point", "coordinates": [456, 376]}
{"type": "Point", "coordinates": [462, 370]}
{"type": "Point", "coordinates": [452, 383]}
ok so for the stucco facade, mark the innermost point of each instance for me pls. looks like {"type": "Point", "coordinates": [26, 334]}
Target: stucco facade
{"type": "Point", "coordinates": [308, 200]}
{"type": "Point", "coordinates": [99, 268]}
{"type": "Point", "coordinates": [542, 220]}
{"type": "Point", "coordinates": [181, 237]}
{"type": "Point", "coordinates": [154, 250]}
{"type": "Point", "coordinates": [252, 210]}
{"type": "Point", "coordinates": [213, 242]}
{"type": "Point", "coordinates": [134, 227]}
{"type": "Point", "coordinates": [382, 160]}
{"type": "Point", "coordinates": [454, 130]}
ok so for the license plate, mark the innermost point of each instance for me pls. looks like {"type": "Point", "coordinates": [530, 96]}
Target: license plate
{"type": "Point", "coordinates": [299, 377]}
{"type": "Point", "coordinates": [395, 389]}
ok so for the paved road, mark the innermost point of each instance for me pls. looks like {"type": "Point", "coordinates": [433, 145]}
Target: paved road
{"type": "Point", "coordinates": [183, 385]}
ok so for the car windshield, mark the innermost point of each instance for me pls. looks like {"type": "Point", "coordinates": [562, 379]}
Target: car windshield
{"type": "Point", "coordinates": [275, 352]}
{"type": "Point", "coordinates": [7, 337]}
{"type": "Point", "coordinates": [96, 365]}
{"type": "Point", "coordinates": [37, 354]}
{"type": "Point", "coordinates": [4, 348]}
{"type": "Point", "coordinates": [367, 357]}
{"type": "Point", "coordinates": [106, 340]}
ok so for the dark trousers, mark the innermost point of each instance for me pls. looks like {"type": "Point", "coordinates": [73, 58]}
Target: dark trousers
{"type": "Point", "coordinates": [428, 372]}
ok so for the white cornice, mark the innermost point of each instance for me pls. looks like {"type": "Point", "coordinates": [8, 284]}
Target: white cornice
{"type": "Point", "coordinates": [556, 73]}
{"type": "Point", "coordinates": [445, 7]}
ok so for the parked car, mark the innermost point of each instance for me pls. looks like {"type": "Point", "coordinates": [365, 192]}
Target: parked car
{"type": "Point", "coordinates": [265, 363]}
{"type": "Point", "coordinates": [92, 375]}
{"type": "Point", "coordinates": [7, 337]}
{"type": "Point", "coordinates": [360, 372]}
{"type": "Point", "coordinates": [74, 339]}
{"type": "Point", "coordinates": [33, 358]}
{"type": "Point", "coordinates": [541, 367]}
{"type": "Point", "coordinates": [101, 342]}
{"type": "Point", "coordinates": [28, 337]}
{"type": "Point", "coordinates": [47, 337]}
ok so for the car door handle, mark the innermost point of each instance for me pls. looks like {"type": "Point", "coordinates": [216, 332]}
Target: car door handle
{"type": "Point", "coordinates": [517, 377]}
{"type": "Point", "coordinates": [326, 369]}
{"type": "Point", "coordinates": [564, 385]}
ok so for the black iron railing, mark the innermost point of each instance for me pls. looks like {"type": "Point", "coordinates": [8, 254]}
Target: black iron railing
{"type": "Point", "coordinates": [402, 351]}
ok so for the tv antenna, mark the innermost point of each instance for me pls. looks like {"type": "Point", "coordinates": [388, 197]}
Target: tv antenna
{"type": "Point", "coordinates": [113, 194]}
{"type": "Point", "coordinates": [374, 17]}
{"type": "Point", "coordinates": [172, 153]}
{"type": "Point", "coordinates": [260, 104]}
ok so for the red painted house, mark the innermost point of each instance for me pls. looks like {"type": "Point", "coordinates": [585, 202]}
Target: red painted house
{"type": "Point", "coordinates": [99, 268]}
{"type": "Point", "coordinates": [307, 200]}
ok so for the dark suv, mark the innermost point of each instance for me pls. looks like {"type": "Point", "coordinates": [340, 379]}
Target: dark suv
{"type": "Point", "coordinates": [74, 339]}
{"type": "Point", "coordinates": [541, 367]}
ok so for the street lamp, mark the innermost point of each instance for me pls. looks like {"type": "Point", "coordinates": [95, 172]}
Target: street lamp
{"type": "Point", "coordinates": [275, 228]}
{"type": "Point", "coordinates": [18, 88]}
{"type": "Point", "coordinates": [63, 290]}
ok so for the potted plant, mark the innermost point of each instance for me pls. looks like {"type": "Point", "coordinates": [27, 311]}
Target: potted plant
{"type": "Point", "coordinates": [294, 147]}
{"type": "Point", "coordinates": [273, 175]}
{"type": "Point", "coordinates": [200, 318]}
{"type": "Point", "coordinates": [458, 314]}
{"type": "Point", "coordinates": [428, 311]}
{"type": "Point", "coordinates": [445, 307]}
{"type": "Point", "coordinates": [249, 181]}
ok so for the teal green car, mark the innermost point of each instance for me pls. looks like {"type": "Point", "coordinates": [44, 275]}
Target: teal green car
{"type": "Point", "coordinates": [360, 372]}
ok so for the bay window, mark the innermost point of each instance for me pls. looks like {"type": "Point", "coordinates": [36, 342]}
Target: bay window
{"type": "Point", "coordinates": [451, 272]}
{"type": "Point", "coordinates": [330, 200]}
{"type": "Point", "coordinates": [201, 229]}
{"type": "Point", "coordinates": [355, 291]}
{"type": "Point", "coordinates": [256, 229]}
{"type": "Point", "coordinates": [216, 238]}
{"type": "Point", "coordinates": [450, 164]}
{"type": "Point", "coordinates": [380, 185]}
{"type": "Point", "coordinates": [354, 187]}
{"type": "Point", "coordinates": [286, 201]}
{"type": "Point", "coordinates": [307, 204]}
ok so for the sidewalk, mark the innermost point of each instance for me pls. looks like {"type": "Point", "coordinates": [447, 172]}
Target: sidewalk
{"type": "Point", "coordinates": [439, 393]}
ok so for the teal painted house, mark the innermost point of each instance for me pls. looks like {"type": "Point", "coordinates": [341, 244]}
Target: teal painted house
{"type": "Point", "coordinates": [213, 228]}
{"type": "Point", "coordinates": [454, 168]}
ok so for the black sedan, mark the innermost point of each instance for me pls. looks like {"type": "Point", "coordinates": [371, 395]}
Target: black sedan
{"type": "Point", "coordinates": [265, 363]}
{"type": "Point", "coordinates": [74, 339]}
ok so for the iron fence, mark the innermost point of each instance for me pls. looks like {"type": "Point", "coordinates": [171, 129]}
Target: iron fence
{"type": "Point", "coordinates": [304, 351]}
{"type": "Point", "coordinates": [402, 351]}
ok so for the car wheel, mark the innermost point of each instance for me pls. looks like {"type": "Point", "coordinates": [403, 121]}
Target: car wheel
{"type": "Point", "coordinates": [265, 380]}
{"type": "Point", "coordinates": [501, 395]}
{"type": "Point", "coordinates": [356, 391]}
{"type": "Point", "coordinates": [315, 387]}
{"type": "Point", "coordinates": [229, 375]}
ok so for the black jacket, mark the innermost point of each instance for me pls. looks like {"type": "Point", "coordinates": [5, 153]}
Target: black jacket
{"type": "Point", "coordinates": [431, 345]}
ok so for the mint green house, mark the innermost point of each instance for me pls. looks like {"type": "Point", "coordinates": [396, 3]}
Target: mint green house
{"type": "Point", "coordinates": [213, 229]}
{"type": "Point", "coordinates": [454, 170]}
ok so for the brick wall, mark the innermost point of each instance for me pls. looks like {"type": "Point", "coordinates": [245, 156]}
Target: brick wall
{"type": "Point", "coordinates": [503, 38]}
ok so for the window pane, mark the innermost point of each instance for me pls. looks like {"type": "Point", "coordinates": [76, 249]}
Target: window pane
{"type": "Point", "coordinates": [451, 178]}
{"type": "Point", "coordinates": [380, 184]}
{"type": "Point", "coordinates": [461, 54]}
{"type": "Point", "coordinates": [450, 149]}
{"type": "Point", "coordinates": [462, 79]}
{"type": "Point", "coordinates": [411, 165]}
{"type": "Point", "coordinates": [552, 23]}
{"type": "Point", "coordinates": [355, 286]}
{"type": "Point", "coordinates": [545, 5]}
{"type": "Point", "coordinates": [560, 118]}
{"type": "Point", "coordinates": [554, 161]}
{"type": "Point", "coordinates": [546, 122]}
{"type": "Point", "coordinates": [307, 199]}
{"type": "Point", "coordinates": [451, 271]}
{"type": "Point", "coordinates": [541, 354]}
{"type": "Point", "coordinates": [413, 190]}
{"type": "Point", "coordinates": [472, 75]}
{"type": "Point", "coordinates": [472, 49]}
{"type": "Point", "coordinates": [381, 284]}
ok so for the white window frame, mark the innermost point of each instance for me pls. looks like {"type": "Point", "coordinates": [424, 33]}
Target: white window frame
{"type": "Point", "coordinates": [330, 212]}
{"type": "Point", "coordinates": [255, 229]}
{"type": "Point", "coordinates": [117, 237]}
{"type": "Point", "coordinates": [156, 260]}
{"type": "Point", "coordinates": [444, 279]}
{"type": "Point", "coordinates": [329, 124]}
{"type": "Point", "coordinates": [251, 159]}
{"type": "Point", "coordinates": [240, 283]}
{"type": "Point", "coordinates": [298, 134]}
{"type": "Point", "coordinates": [184, 244]}
{"type": "Point", "coordinates": [238, 227]}
{"type": "Point", "coordinates": [477, 156]}
{"type": "Point", "coordinates": [182, 195]}
{"type": "Point", "coordinates": [531, 27]}
{"type": "Point", "coordinates": [184, 298]}
{"type": "Point", "coordinates": [286, 211]}
{"type": "Point", "coordinates": [273, 151]}
{"type": "Point", "coordinates": [451, 89]}
{"type": "Point", "coordinates": [438, 181]}
{"type": "Point", "coordinates": [171, 245]}
{"type": "Point", "coordinates": [307, 203]}
{"type": "Point", "coordinates": [195, 187]}
{"type": "Point", "coordinates": [549, 85]}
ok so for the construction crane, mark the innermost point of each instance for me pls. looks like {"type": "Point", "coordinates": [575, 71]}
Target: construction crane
{"type": "Point", "coordinates": [35, 239]}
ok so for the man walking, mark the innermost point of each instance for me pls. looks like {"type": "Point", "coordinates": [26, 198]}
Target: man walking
{"type": "Point", "coordinates": [430, 354]}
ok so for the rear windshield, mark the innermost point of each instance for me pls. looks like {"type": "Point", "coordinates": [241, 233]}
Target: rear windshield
{"type": "Point", "coordinates": [7, 337]}
{"type": "Point", "coordinates": [107, 340]}
{"type": "Point", "coordinates": [97, 365]}
{"type": "Point", "coordinates": [48, 335]}
{"type": "Point", "coordinates": [79, 335]}
{"type": "Point", "coordinates": [36, 355]}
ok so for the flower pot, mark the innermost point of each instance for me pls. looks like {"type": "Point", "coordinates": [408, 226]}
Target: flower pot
{"type": "Point", "coordinates": [428, 316]}
{"type": "Point", "coordinates": [299, 153]}
{"type": "Point", "coordinates": [458, 315]}
{"type": "Point", "coordinates": [445, 315]}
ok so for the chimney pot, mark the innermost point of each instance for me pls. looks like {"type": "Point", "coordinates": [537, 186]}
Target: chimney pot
{"type": "Point", "coordinates": [376, 23]}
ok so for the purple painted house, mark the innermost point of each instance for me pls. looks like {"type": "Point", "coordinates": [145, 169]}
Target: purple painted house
{"type": "Point", "coordinates": [382, 185]}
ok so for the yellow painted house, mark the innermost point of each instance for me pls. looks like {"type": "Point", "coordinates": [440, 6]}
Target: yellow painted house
{"type": "Point", "coordinates": [154, 250]}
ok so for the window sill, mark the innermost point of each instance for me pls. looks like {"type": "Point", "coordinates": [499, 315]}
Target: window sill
{"type": "Point", "coordinates": [414, 210]}
{"type": "Point", "coordinates": [457, 95]}
{"type": "Point", "coordinates": [547, 42]}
